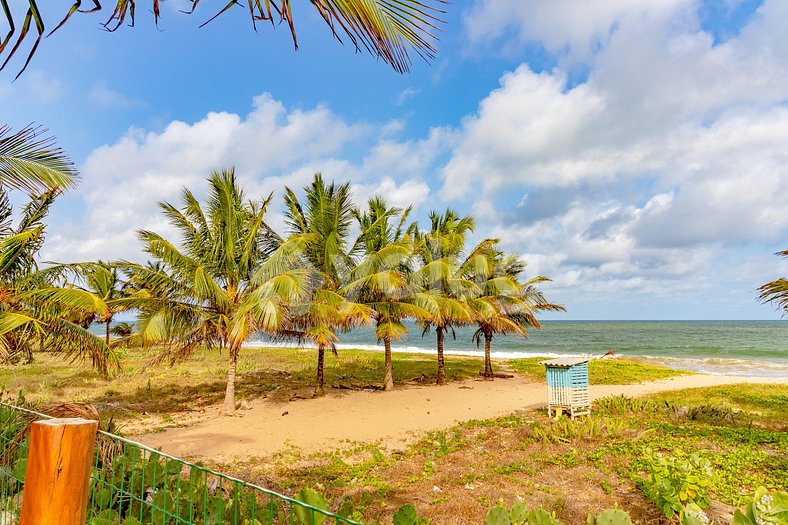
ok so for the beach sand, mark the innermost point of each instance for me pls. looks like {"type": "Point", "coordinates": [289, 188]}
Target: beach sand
{"type": "Point", "coordinates": [391, 419]}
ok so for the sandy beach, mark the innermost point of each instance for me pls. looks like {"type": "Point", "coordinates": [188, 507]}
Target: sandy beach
{"type": "Point", "coordinates": [392, 419]}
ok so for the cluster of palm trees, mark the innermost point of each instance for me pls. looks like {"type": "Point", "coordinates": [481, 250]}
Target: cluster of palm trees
{"type": "Point", "coordinates": [230, 276]}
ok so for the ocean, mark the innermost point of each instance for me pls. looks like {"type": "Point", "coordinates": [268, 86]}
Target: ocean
{"type": "Point", "coordinates": [749, 348]}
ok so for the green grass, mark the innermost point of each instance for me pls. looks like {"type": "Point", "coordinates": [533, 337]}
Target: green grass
{"type": "Point", "coordinates": [766, 405]}
{"type": "Point", "coordinates": [602, 372]}
{"type": "Point", "coordinates": [279, 373]}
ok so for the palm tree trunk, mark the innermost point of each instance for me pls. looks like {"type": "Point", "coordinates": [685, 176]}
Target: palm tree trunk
{"type": "Point", "coordinates": [488, 371]}
{"type": "Point", "coordinates": [388, 378]}
{"type": "Point", "coordinates": [229, 393]}
{"type": "Point", "coordinates": [441, 364]}
{"type": "Point", "coordinates": [321, 354]}
{"type": "Point", "coordinates": [107, 337]}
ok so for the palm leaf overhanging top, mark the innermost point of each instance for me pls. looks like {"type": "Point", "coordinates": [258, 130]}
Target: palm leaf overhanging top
{"type": "Point", "coordinates": [776, 291]}
{"type": "Point", "coordinates": [31, 162]}
{"type": "Point", "coordinates": [387, 29]}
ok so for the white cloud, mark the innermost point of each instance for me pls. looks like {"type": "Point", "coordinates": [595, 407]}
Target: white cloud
{"type": "Point", "coordinates": [405, 95]}
{"type": "Point", "coordinates": [102, 95]}
{"type": "Point", "coordinates": [271, 147]}
{"type": "Point", "coordinates": [698, 128]}
{"type": "Point", "coordinates": [575, 28]}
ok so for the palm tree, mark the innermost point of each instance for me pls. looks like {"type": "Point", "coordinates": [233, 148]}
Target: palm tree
{"type": "Point", "coordinates": [223, 284]}
{"type": "Point", "coordinates": [123, 329]}
{"type": "Point", "coordinates": [29, 318]}
{"type": "Point", "coordinates": [323, 315]}
{"type": "Point", "coordinates": [326, 217]}
{"type": "Point", "coordinates": [505, 306]}
{"type": "Point", "coordinates": [441, 276]}
{"type": "Point", "coordinates": [103, 293]}
{"type": "Point", "coordinates": [324, 220]}
{"type": "Point", "coordinates": [385, 28]}
{"type": "Point", "coordinates": [380, 281]}
{"type": "Point", "coordinates": [32, 163]}
{"type": "Point", "coordinates": [776, 291]}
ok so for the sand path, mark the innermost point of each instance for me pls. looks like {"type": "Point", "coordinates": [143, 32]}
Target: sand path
{"type": "Point", "coordinates": [391, 418]}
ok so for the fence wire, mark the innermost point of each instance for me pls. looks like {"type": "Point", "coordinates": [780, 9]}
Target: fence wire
{"type": "Point", "coordinates": [132, 484]}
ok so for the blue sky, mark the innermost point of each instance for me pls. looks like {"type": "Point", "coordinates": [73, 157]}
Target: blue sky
{"type": "Point", "coordinates": [632, 150]}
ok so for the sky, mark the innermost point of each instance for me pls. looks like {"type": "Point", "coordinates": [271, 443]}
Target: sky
{"type": "Point", "coordinates": [634, 151]}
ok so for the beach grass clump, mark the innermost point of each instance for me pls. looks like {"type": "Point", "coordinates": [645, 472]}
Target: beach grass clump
{"type": "Point", "coordinates": [603, 371]}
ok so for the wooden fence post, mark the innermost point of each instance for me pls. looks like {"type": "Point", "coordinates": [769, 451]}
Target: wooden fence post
{"type": "Point", "coordinates": [59, 463]}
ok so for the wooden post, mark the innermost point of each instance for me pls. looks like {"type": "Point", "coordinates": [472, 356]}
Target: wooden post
{"type": "Point", "coordinates": [57, 480]}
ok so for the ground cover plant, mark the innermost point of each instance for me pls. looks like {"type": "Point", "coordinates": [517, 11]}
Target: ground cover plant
{"type": "Point", "coordinates": [568, 468]}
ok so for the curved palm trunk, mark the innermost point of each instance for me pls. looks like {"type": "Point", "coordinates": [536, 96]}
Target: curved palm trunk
{"type": "Point", "coordinates": [388, 378]}
{"type": "Point", "coordinates": [321, 356]}
{"type": "Point", "coordinates": [107, 332]}
{"type": "Point", "coordinates": [488, 371]}
{"type": "Point", "coordinates": [441, 365]}
{"type": "Point", "coordinates": [229, 393]}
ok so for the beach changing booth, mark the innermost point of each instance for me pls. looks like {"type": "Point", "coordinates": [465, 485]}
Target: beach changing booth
{"type": "Point", "coordinates": [567, 386]}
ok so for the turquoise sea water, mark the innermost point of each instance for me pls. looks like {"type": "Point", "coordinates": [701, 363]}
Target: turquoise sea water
{"type": "Point", "coordinates": [752, 348]}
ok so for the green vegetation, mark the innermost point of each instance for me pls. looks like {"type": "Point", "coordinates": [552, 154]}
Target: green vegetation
{"type": "Point", "coordinates": [673, 483]}
{"type": "Point", "coordinates": [761, 404]}
{"type": "Point", "coordinates": [280, 373]}
{"type": "Point", "coordinates": [776, 291]}
{"type": "Point", "coordinates": [602, 371]}
{"type": "Point", "coordinates": [229, 276]}
{"type": "Point", "coordinates": [570, 468]}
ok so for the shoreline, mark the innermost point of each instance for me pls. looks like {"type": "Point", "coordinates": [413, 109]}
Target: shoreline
{"type": "Point", "coordinates": [718, 366]}
{"type": "Point", "coordinates": [392, 419]}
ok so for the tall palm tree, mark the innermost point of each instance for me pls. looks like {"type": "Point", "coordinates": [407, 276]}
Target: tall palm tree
{"type": "Point", "coordinates": [380, 281]}
{"type": "Point", "coordinates": [29, 319]}
{"type": "Point", "coordinates": [32, 162]}
{"type": "Point", "coordinates": [505, 306]}
{"type": "Point", "coordinates": [324, 219]}
{"type": "Point", "coordinates": [441, 277]}
{"type": "Point", "coordinates": [385, 28]}
{"type": "Point", "coordinates": [223, 283]}
{"type": "Point", "coordinates": [776, 291]}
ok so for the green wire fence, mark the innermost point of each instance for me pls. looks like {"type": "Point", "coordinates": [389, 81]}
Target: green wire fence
{"type": "Point", "coordinates": [13, 461]}
{"type": "Point", "coordinates": [132, 484]}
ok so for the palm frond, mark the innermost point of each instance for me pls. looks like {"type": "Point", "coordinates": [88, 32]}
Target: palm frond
{"type": "Point", "coordinates": [31, 162]}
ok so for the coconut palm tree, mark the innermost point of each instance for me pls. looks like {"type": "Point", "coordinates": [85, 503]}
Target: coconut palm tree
{"type": "Point", "coordinates": [504, 306]}
{"type": "Point", "coordinates": [380, 281]}
{"type": "Point", "coordinates": [324, 219]}
{"type": "Point", "coordinates": [98, 289]}
{"type": "Point", "coordinates": [29, 319]}
{"type": "Point", "coordinates": [440, 276]}
{"type": "Point", "coordinates": [776, 291]}
{"type": "Point", "coordinates": [385, 28]}
{"type": "Point", "coordinates": [31, 162]}
{"type": "Point", "coordinates": [318, 320]}
{"type": "Point", "coordinates": [221, 283]}
{"type": "Point", "coordinates": [123, 329]}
